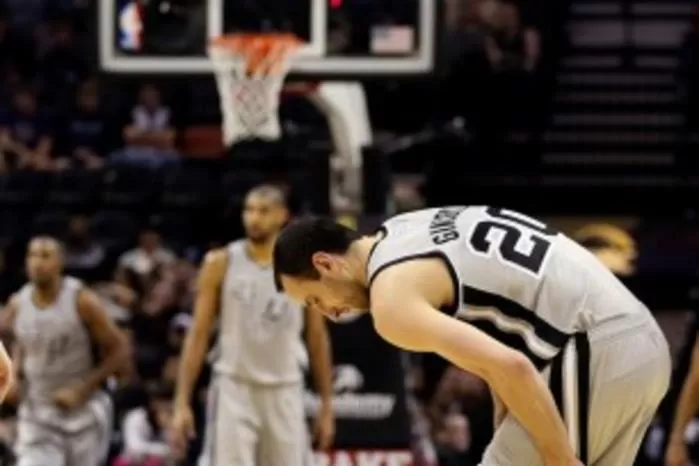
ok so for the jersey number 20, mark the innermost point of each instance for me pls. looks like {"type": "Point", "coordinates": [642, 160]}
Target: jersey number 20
{"type": "Point", "coordinates": [512, 229]}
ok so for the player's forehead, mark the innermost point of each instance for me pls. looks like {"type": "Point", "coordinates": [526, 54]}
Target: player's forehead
{"type": "Point", "coordinates": [43, 246]}
{"type": "Point", "coordinates": [258, 201]}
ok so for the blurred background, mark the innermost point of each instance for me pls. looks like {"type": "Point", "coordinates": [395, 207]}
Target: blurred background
{"type": "Point", "coordinates": [582, 112]}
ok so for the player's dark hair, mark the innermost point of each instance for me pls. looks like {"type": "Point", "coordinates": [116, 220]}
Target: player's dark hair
{"type": "Point", "coordinates": [296, 244]}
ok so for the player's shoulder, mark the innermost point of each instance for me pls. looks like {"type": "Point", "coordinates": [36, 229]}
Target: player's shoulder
{"type": "Point", "coordinates": [420, 278]}
{"type": "Point", "coordinates": [14, 302]}
{"type": "Point", "coordinates": [72, 283]}
{"type": "Point", "coordinates": [214, 265]}
{"type": "Point", "coordinates": [216, 257]}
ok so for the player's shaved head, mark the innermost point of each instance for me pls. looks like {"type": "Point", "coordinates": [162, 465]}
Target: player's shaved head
{"type": "Point", "coordinates": [264, 213]}
{"type": "Point", "coordinates": [49, 243]}
{"type": "Point", "coordinates": [44, 260]}
{"type": "Point", "coordinates": [269, 192]}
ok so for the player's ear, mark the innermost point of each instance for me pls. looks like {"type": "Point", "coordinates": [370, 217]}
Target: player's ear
{"type": "Point", "coordinates": [323, 263]}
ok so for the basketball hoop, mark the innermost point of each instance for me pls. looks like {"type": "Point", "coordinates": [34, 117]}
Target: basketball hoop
{"type": "Point", "coordinates": [250, 70]}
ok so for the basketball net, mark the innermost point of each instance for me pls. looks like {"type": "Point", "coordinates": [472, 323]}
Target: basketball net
{"type": "Point", "coordinates": [250, 70]}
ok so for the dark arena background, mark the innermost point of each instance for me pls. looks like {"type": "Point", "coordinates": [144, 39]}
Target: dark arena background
{"type": "Point", "coordinates": [118, 135]}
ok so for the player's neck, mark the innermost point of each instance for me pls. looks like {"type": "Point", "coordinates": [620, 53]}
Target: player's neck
{"type": "Point", "coordinates": [260, 253]}
{"type": "Point", "coordinates": [358, 255]}
{"type": "Point", "coordinates": [46, 294]}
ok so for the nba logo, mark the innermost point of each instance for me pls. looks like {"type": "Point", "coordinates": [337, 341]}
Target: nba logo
{"type": "Point", "coordinates": [131, 26]}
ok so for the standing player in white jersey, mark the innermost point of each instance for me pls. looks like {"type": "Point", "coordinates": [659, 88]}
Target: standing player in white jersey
{"type": "Point", "coordinates": [503, 296]}
{"type": "Point", "coordinates": [256, 397]}
{"type": "Point", "coordinates": [64, 417]}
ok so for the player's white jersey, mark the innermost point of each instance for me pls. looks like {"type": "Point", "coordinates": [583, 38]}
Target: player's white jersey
{"type": "Point", "coordinates": [259, 328]}
{"type": "Point", "coordinates": [56, 346]}
{"type": "Point", "coordinates": [514, 277]}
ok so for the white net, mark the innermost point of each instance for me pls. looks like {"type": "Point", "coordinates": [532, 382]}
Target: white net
{"type": "Point", "coordinates": [250, 73]}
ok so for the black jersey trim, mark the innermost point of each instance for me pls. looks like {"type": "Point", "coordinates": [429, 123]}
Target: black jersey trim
{"type": "Point", "coordinates": [512, 309]}
{"type": "Point", "coordinates": [511, 340]}
{"type": "Point", "coordinates": [447, 309]}
{"type": "Point", "coordinates": [383, 231]}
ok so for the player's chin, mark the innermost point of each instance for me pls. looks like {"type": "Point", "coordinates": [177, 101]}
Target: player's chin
{"type": "Point", "coordinates": [257, 237]}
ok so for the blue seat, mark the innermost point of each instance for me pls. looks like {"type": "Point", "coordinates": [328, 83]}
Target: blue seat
{"type": "Point", "coordinates": [51, 223]}
{"type": "Point", "coordinates": [177, 229]}
{"type": "Point", "coordinates": [235, 184]}
{"type": "Point", "coordinates": [22, 188]}
{"type": "Point", "coordinates": [129, 188]}
{"type": "Point", "coordinates": [114, 229]}
{"type": "Point", "coordinates": [74, 189]}
{"type": "Point", "coordinates": [188, 189]}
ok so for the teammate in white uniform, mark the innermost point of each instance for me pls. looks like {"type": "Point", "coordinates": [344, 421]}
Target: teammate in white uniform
{"type": "Point", "coordinates": [64, 417]}
{"type": "Point", "coordinates": [503, 296]}
{"type": "Point", "coordinates": [256, 398]}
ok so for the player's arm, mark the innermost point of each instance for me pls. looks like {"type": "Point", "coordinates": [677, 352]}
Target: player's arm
{"type": "Point", "coordinates": [404, 307]}
{"type": "Point", "coordinates": [205, 311]}
{"type": "Point", "coordinates": [318, 343]}
{"type": "Point", "coordinates": [105, 334]}
{"type": "Point", "coordinates": [9, 366]}
{"type": "Point", "coordinates": [688, 403]}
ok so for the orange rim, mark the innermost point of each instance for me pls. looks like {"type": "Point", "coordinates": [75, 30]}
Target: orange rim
{"type": "Point", "coordinates": [263, 53]}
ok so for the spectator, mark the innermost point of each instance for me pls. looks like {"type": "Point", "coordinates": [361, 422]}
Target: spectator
{"type": "Point", "coordinates": [15, 50]}
{"type": "Point", "coordinates": [86, 137]}
{"type": "Point", "coordinates": [144, 430]}
{"type": "Point", "coordinates": [63, 65]}
{"type": "Point", "coordinates": [83, 255]}
{"type": "Point", "coordinates": [150, 137]}
{"type": "Point", "coordinates": [513, 52]}
{"type": "Point", "coordinates": [144, 260]}
{"type": "Point", "coordinates": [511, 47]}
{"type": "Point", "coordinates": [26, 140]}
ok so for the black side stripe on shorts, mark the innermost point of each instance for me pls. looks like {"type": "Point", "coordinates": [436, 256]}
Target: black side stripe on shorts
{"type": "Point", "coordinates": [579, 399]}
{"type": "Point", "coordinates": [582, 343]}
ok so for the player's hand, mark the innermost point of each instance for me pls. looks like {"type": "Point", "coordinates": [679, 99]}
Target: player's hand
{"type": "Point", "coordinates": [677, 454]}
{"type": "Point", "coordinates": [324, 429]}
{"type": "Point", "coordinates": [70, 397]}
{"type": "Point", "coordinates": [182, 430]}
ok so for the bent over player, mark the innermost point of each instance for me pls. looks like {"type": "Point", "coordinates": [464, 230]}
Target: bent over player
{"type": "Point", "coordinates": [503, 296]}
{"type": "Point", "coordinates": [256, 411]}
{"type": "Point", "coordinates": [64, 417]}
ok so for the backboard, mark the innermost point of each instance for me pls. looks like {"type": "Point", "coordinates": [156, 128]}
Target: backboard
{"type": "Point", "coordinates": [344, 38]}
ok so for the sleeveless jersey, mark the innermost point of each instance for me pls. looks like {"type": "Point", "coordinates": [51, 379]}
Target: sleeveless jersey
{"type": "Point", "coordinates": [514, 277]}
{"type": "Point", "coordinates": [57, 352]}
{"type": "Point", "coordinates": [259, 328]}
{"type": "Point", "coordinates": [56, 346]}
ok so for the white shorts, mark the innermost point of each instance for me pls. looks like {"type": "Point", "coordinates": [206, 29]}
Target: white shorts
{"type": "Point", "coordinates": [608, 387]}
{"type": "Point", "coordinates": [81, 440]}
{"type": "Point", "coordinates": [255, 425]}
